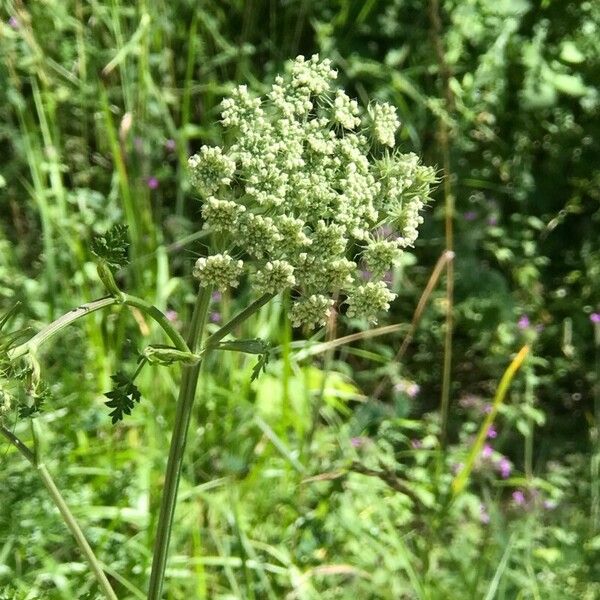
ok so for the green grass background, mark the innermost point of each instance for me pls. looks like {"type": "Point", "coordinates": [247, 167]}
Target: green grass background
{"type": "Point", "coordinates": [326, 478]}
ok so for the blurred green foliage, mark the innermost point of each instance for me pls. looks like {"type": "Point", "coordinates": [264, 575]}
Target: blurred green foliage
{"type": "Point", "coordinates": [305, 483]}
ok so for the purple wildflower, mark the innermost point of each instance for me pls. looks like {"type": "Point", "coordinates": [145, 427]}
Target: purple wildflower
{"type": "Point", "coordinates": [415, 444]}
{"type": "Point", "coordinates": [492, 433]}
{"type": "Point", "coordinates": [215, 317]}
{"type": "Point", "coordinates": [216, 296]}
{"type": "Point", "coordinates": [523, 322]}
{"type": "Point", "coordinates": [170, 145]}
{"type": "Point", "coordinates": [487, 408]}
{"type": "Point", "coordinates": [171, 315]}
{"type": "Point", "coordinates": [518, 497]}
{"type": "Point", "coordinates": [152, 183]}
{"type": "Point", "coordinates": [504, 467]}
{"type": "Point", "coordinates": [14, 22]}
{"type": "Point", "coordinates": [487, 451]}
{"type": "Point", "coordinates": [595, 317]}
{"type": "Point", "coordinates": [470, 215]}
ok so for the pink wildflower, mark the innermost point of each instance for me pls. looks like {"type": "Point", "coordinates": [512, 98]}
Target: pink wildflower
{"type": "Point", "coordinates": [504, 467]}
{"type": "Point", "coordinates": [518, 497]}
{"type": "Point", "coordinates": [523, 322]}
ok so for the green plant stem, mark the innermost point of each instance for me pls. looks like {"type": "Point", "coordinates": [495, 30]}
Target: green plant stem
{"type": "Point", "coordinates": [160, 318]}
{"type": "Point", "coordinates": [595, 438]}
{"type": "Point", "coordinates": [183, 413]}
{"type": "Point", "coordinates": [216, 337]}
{"type": "Point", "coordinates": [85, 309]}
{"type": "Point", "coordinates": [53, 328]}
{"type": "Point", "coordinates": [445, 74]}
{"type": "Point", "coordinates": [64, 510]}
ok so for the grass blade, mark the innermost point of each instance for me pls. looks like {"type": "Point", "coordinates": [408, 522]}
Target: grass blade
{"type": "Point", "coordinates": [461, 479]}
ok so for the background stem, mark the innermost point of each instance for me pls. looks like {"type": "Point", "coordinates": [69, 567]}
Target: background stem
{"type": "Point", "coordinates": [64, 510]}
{"type": "Point", "coordinates": [445, 75]}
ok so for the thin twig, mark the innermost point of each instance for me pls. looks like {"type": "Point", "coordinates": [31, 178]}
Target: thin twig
{"type": "Point", "coordinates": [444, 138]}
{"type": "Point", "coordinates": [443, 261]}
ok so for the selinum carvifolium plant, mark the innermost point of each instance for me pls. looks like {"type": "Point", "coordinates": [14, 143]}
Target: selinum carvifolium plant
{"type": "Point", "coordinates": [310, 194]}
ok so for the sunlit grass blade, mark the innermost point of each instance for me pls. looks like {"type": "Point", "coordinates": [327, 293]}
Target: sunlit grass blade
{"type": "Point", "coordinates": [459, 482]}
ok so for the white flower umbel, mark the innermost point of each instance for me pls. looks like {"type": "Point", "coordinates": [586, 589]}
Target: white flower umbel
{"type": "Point", "coordinates": [302, 188]}
{"type": "Point", "coordinates": [367, 300]}
{"type": "Point", "coordinates": [381, 255]}
{"type": "Point", "coordinates": [222, 215]}
{"type": "Point", "coordinates": [210, 169]}
{"type": "Point", "coordinates": [220, 270]}
{"type": "Point", "coordinates": [312, 310]}
{"type": "Point", "coordinates": [275, 276]}
{"type": "Point", "coordinates": [385, 123]}
{"type": "Point", "coordinates": [345, 111]}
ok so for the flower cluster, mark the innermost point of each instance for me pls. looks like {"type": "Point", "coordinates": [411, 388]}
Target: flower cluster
{"type": "Point", "coordinates": [219, 270]}
{"type": "Point", "coordinates": [275, 276]}
{"type": "Point", "coordinates": [385, 123]}
{"type": "Point", "coordinates": [211, 169]}
{"type": "Point", "coordinates": [303, 191]}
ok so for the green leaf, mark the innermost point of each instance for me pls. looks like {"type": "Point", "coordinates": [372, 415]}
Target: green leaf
{"type": "Point", "coordinates": [570, 53]}
{"type": "Point", "coordinates": [261, 365]}
{"type": "Point", "coordinates": [571, 85]}
{"type": "Point", "coordinates": [122, 397]}
{"type": "Point", "coordinates": [253, 346]}
{"type": "Point", "coordinates": [34, 402]}
{"type": "Point", "coordinates": [167, 355]}
{"type": "Point", "coordinates": [112, 247]}
{"type": "Point", "coordinates": [7, 315]}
